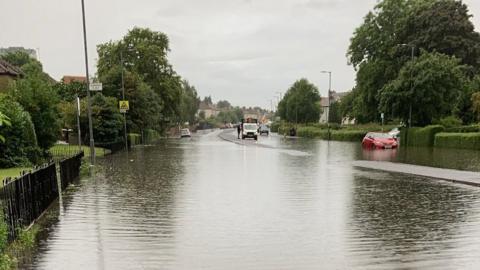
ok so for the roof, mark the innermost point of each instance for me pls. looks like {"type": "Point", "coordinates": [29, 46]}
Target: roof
{"type": "Point", "coordinates": [9, 69]}
{"type": "Point", "coordinates": [69, 79]}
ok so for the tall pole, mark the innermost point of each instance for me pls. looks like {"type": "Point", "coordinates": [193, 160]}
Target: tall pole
{"type": "Point", "coordinates": [411, 89]}
{"type": "Point", "coordinates": [89, 102]}
{"type": "Point", "coordinates": [79, 132]}
{"type": "Point", "coordinates": [123, 98]}
{"type": "Point", "coordinates": [329, 91]}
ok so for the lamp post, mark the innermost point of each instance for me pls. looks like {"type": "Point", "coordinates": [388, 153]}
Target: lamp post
{"type": "Point", "coordinates": [329, 92]}
{"type": "Point", "coordinates": [411, 84]}
{"type": "Point", "coordinates": [123, 98]}
{"type": "Point", "coordinates": [89, 102]}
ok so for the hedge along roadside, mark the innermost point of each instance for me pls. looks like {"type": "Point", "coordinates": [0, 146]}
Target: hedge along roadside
{"type": "Point", "coordinates": [458, 140]}
{"type": "Point", "coordinates": [420, 136]}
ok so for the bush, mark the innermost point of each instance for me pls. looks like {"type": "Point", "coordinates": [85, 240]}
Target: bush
{"type": "Point", "coordinates": [150, 136]}
{"type": "Point", "coordinates": [134, 139]}
{"type": "Point", "coordinates": [421, 136]}
{"type": "Point", "coordinates": [313, 132]}
{"type": "Point", "coordinates": [464, 129]}
{"type": "Point", "coordinates": [450, 121]}
{"type": "Point", "coordinates": [458, 140]}
{"type": "Point", "coordinates": [348, 135]}
{"type": "Point", "coordinates": [20, 146]}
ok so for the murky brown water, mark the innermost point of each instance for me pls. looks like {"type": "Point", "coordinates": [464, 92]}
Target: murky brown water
{"type": "Point", "coordinates": [209, 204]}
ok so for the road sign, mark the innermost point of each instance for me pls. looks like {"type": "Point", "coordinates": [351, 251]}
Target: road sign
{"type": "Point", "coordinates": [124, 106]}
{"type": "Point", "coordinates": [95, 86]}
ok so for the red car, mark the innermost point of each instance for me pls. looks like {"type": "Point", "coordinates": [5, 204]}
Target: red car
{"type": "Point", "coordinates": [375, 140]}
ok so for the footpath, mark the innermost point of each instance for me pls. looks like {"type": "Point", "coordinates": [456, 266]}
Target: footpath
{"type": "Point", "coordinates": [456, 176]}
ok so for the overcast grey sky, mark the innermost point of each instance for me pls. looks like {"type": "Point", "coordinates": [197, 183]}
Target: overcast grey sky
{"type": "Point", "coordinates": [240, 50]}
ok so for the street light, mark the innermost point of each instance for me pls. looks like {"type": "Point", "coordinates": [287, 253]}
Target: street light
{"type": "Point", "coordinates": [411, 83]}
{"type": "Point", "coordinates": [329, 92]}
{"type": "Point", "coordinates": [89, 103]}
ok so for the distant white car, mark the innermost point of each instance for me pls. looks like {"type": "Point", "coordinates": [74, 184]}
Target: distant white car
{"type": "Point", "coordinates": [394, 132]}
{"type": "Point", "coordinates": [185, 133]}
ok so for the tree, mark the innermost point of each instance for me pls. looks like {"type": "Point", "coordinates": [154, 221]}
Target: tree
{"type": "Point", "coordinates": [437, 81]}
{"type": "Point", "coordinates": [143, 53]}
{"type": "Point", "coordinates": [223, 104]}
{"type": "Point", "coordinates": [107, 120]}
{"type": "Point", "coordinates": [20, 145]}
{"type": "Point", "coordinates": [334, 115]}
{"type": "Point", "coordinates": [476, 105]}
{"type": "Point", "coordinates": [68, 91]}
{"type": "Point", "coordinates": [189, 103]}
{"type": "Point", "coordinates": [378, 53]}
{"type": "Point", "coordinates": [4, 121]}
{"type": "Point", "coordinates": [37, 96]}
{"type": "Point", "coordinates": [301, 103]}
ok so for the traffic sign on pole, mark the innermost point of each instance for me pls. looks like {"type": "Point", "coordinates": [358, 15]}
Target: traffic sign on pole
{"type": "Point", "coordinates": [124, 106]}
{"type": "Point", "coordinates": [96, 87]}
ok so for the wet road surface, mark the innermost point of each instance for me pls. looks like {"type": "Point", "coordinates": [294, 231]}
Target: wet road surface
{"type": "Point", "coordinates": [206, 203]}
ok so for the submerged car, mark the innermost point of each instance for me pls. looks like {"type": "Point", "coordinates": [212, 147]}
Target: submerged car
{"type": "Point", "coordinates": [185, 133]}
{"type": "Point", "coordinates": [250, 130]}
{"type": "Point", "coordinates": [377, 140]}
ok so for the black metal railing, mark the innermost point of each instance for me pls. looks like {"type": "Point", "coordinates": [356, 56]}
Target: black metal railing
{"type": "Point", "coordinates": [70, 169]}
{"type": "Point", "coordinates": [28, 196]}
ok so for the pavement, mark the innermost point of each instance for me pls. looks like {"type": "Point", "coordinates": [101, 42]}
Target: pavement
{"type": "Point", "coordinates": [463, 177]}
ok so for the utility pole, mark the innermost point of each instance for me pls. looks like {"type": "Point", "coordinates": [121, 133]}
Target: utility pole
{"type": "Point", "coordinates": [329, 92]}
{"type": "Point", "coordinates": [123, 98]}
{"type": "Point", "coordinates": [411, 84]}
{"type": "Point", "coordinates": [79, 133]}
{"type": "Point", "coordinates": [89, 102]}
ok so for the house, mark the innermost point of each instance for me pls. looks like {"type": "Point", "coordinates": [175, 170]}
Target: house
{"type": "Point", "coordinates": [208, 110]}
{"type": "Point", "coordinates": [325, 104]}
{"type": "Point", "coordinates": [67, 79]}
{"type": "Point", "coordinates": [8, 73]}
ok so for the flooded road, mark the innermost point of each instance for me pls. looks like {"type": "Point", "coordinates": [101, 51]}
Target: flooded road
{"type": "Point", "coordinates": [206, 203]}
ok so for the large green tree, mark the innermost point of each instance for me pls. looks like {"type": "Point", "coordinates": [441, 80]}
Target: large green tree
{"type": "Point", "coordinates": [381, 46]}
{"type": "Point", "coordinates": [37, 96]}
{"type": "Point", "coordinates": [429, 84]}
{"type": "Point", "coordinates": [143, 53]}
{"type": "Point", "coordinates": [301, 103]}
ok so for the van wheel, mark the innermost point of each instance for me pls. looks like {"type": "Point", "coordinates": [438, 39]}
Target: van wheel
{"type": "Point", "coordinates": [256, 138]}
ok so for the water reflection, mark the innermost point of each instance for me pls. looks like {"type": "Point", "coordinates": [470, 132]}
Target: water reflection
{"type": "Point", "coordinates": [460, 159]}
{"type": "Point", "coordinates": [208, 204]}
{"type": "Point", "coordinates": [411, 222]}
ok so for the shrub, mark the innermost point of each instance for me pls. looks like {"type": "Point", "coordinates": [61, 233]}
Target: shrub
{"type": "Point", "coordinates": [20, 146]}
{"type": "Point", "coordinates": [450, 121]}
{"type": "Point", "coordinates": [464, 129]}
{"type": "Point", "coordinates": [421, 136]}
{"type": "Point", "coordinates": [348, 135]}
{"type": "Point", "coordinates": [458, 140]}
{"type": "Point", "coordinates": [313, 132]}
{"type": "Point", "coordinates": [134, 139]}
{"type": "Point", "coordinates": [150, 136]}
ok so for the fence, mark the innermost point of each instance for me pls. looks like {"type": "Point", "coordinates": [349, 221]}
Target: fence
{"type": "Point", "coordinates": [70, 169]}
{"type": "Point", "coordinates": [25, 198]}
{"type": "Point", "coordinates": [28, 196]}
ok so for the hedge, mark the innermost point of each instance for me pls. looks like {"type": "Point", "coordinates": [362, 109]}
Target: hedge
{"type": "Point", "coordinates": [134, 139]}
{"type": "Point", "coordinates": [313, 132]}
{"type": "Point", "coordinates": [151, 136]}
{"type": "Point", "coordinates": [348, 135]}
{"type": "Point", "coordinates": [464, 129]}
{"type": "Point", "coordinates": [420, 136]}
{"type": "Point", "coordinates": [458, 140]}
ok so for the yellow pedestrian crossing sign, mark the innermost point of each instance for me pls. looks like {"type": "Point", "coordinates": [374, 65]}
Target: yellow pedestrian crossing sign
{"type": "Point", "coordinates": [124, 106]}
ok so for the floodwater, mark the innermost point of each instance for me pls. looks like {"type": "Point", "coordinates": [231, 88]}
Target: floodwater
{"type": "Point", "coordinates": [206, 203]}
